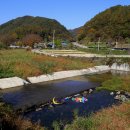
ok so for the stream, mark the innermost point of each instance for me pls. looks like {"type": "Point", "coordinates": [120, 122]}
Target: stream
{"type": "Point", "coordinates": [43, 93]}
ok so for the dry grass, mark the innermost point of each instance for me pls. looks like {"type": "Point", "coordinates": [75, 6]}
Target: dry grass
{"type": "Point", "coordinates": [10, 121]}
{"type": "Point", "coordinates": [114, 118]}
{"type": "Point", "coordinates": [24, 63]}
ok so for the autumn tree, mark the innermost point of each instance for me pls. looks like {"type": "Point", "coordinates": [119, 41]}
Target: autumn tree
{"type": "Point", "coordinates": [31, 39]}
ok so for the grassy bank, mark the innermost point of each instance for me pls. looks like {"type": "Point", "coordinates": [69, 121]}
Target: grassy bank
{"type": "Point", "coordinates": [115, 118]}
{"type": "Point", "coordinates": [112, 82]}
{"type": "Point", "coordinates": [23, 63]}
{"type": "Point", "coordinates": [117, 83]}
{"type": "Point", "coordinates": [10, 121]}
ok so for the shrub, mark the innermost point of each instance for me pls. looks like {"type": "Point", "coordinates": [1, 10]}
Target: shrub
{"type": "Point", "coordinates": [2, 45]}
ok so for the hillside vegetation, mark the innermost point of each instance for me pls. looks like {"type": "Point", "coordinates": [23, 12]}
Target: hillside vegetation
{"type": "Point", "coordinates": [19, 28]}
{"type": "Point", "coordinates": [110, 25]}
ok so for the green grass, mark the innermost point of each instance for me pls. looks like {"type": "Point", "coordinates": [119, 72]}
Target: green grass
{"type": "Point", "coordinates": [104, 51]}
{"type": "Point", "coordinates": [112, 82]}
{"type": "Point", "coordinates": [115, 83]}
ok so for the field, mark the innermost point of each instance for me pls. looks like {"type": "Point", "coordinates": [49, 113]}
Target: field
{"type": "Point", "coordinates": [24, 63]}
{"type": "Point", "coordinates": [104, 51]}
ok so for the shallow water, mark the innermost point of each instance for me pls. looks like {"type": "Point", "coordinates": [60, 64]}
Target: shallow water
{"type": "Point", "coordinates": [64, 113]}
{"type": "Point", "coordinates": [43, 92]}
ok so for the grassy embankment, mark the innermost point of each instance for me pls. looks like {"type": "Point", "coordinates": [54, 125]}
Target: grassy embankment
{"type": "Point", "coordinates": [23, 63]}
{"type": "Point", "coordinates": [10, 121]}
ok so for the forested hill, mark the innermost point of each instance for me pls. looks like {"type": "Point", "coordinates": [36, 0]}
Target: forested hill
{"type": "Point", "coordinates": [22, 26]}
{"type": "Point", "coordinates": [111, 24]}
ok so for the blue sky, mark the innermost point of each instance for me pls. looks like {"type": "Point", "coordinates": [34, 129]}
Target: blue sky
{"type": "Point", "coordinates": [70, 13]}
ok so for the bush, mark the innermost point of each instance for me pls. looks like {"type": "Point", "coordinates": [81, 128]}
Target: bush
{"type": "Point", "coordinates": [47, 67]}
{"type": "Point", "coordinates": [2, 45]}
{"type": "Point", "coordinates": [6, 70]}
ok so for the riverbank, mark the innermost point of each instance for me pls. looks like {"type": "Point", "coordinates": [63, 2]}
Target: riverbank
{"type": "Point", "coordinates": [18, 64]}
{"type": "Point", "coordinates": [115, 82]}
{"type": "Point", "coordinates": [114, 118]}
{"type": "Point", "coordinates": [16, 81]}
{"type": "Point", "coordinates": [10, 121]}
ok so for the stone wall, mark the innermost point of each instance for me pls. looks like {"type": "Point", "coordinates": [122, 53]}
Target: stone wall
{"type": "Point", "coordinates": [67, 74]}
{"type": "Point", "coordinates": [12, 82]}
{"type": "Point", "coordinates": [121, 67]}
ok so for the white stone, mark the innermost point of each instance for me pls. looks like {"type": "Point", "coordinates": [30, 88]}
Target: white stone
{"type": "Point", "coordinates": [118, 92]}
{"type": "Point", "coordinates": [11, 82]}
{"type": "Point", "coordinates": [112, 93]}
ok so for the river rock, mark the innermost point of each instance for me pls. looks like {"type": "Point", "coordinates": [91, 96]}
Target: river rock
{"type": "Point", "coordinates": [85, 93]}
{"type": "Point", "coordinates": [90, 90]}
{"type": "Point", "coordinates": [38, 109]}
{"type": "Point", "coordinates": [51, 106]}
{"type": "Point", "coordinates": [127, 94]}
{"type": "Point", "coordinates": [118, 92]}
{"type": "Point", "coordinates": [117, 97]}
{"type": "Point", "coordinates": [122, 98]}
{"type": "Point", "coordinates": [112, 93]}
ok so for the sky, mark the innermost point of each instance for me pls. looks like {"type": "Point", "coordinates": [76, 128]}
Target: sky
{"type": "Point", "coordinates": [70, 13]}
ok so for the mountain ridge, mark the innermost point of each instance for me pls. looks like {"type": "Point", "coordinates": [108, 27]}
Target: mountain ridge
{"type": "Point", "coordinates": [42, 26]}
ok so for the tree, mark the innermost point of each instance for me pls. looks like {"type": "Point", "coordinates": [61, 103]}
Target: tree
{"type": "Point", "coordinates": [58, 43]}
{"type": "Point", "coordinates": [31, 39]}
{"type": "Point", "coordinates": [8, 39]}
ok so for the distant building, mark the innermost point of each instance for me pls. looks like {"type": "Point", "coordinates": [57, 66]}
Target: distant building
{"type": "Point", "coordinates": [122, 47]}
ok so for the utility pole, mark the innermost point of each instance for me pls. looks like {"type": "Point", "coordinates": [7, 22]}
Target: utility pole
{"type": "Point", "coordinates": [116, 43]}
{"type": "Point", "coordinates": [99, 43]}
{"type": "Point", "coordinates": [53, 39]}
